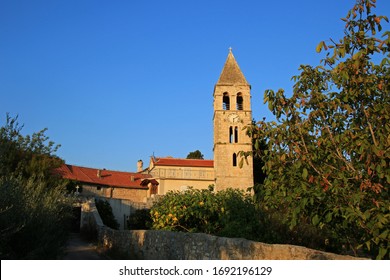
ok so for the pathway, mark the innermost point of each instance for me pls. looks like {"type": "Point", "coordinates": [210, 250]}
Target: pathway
{"type": "Point", "coordinates": [79, 249]}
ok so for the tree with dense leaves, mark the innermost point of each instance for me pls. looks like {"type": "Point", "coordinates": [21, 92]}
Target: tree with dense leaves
{"type": "Point", "coordinates": [34, 208]}
{"type": "Point", "coordinates": [328, 152]}
{"type": "Point", "coordinates": [195, 155]}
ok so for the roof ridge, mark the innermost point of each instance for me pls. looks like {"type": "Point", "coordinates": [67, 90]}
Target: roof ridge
{"type": "Point", "coordinates": [96, 168]}
{"type": "Point", "coordinates": [176, 158]}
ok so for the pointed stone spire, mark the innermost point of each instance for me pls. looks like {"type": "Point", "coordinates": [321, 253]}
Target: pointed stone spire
{"type": "Point", "coordinates": [231, 73]}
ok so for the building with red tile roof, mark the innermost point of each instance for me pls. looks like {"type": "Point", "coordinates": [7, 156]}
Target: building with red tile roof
{"type": "Point", "coordinates": [170, 161]}
{"type": "Point", "coordinates": [175, 174]}
{"type": "Point", "coordinates": [109, 183]}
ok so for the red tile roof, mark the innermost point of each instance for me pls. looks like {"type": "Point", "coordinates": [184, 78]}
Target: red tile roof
{"type": "Point", "coordinates": [168, 161]}
{"type": "Point", "coordinates": [106, 177]}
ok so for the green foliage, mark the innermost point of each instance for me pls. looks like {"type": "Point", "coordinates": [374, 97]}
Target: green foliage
{"type": "Point", "coordinates": [141, 219]}
{"type": "Point", "coordinates": [34, 211]}
{"type": "Point", "coordinates": [105, 212]}
{"type": "Point", "coordinates": [195, 155]}
{"type": "Point", "coordinates": [277, 231]}
{"type": "Point", "coordinates": [258, 164]}
{"type": "Point", "coordinates": [229, 213]}
{"type": "Point", "coordinates": [328, 153]}
{"type": "Point", "coordinates": [74, 187]}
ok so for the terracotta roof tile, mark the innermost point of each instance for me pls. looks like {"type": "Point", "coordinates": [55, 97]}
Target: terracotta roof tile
{"type": "Point", "coordinates": [167, 161]}
{"type": "Point", "coordinates": [102, 176]}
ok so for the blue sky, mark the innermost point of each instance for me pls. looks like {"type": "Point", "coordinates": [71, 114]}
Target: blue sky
{"type": "Point", "coordinates": [118, 81]}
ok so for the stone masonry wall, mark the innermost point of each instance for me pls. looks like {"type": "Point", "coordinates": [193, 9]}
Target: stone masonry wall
{"type": "Point", "coordinates": [166, 245]}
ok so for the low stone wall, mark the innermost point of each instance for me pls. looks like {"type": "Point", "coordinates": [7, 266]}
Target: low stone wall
{"type": "Point", "coordinates": [123, 209]}
{"type": "Point", "coordinates": [166, 245]}
{"type": "Point", "coordinates": [90, 221]}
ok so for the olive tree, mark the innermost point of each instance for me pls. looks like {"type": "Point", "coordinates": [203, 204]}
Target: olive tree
{"type": "Point", "coordinates": [34, 208]}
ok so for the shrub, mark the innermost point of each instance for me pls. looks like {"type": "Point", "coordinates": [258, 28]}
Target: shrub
{"type": "Point", "coordinates": [229, 213]}
{"type": "Point", "coordinates": [105, 212]}
{"type": "Point", "coordinates": [141, 219]}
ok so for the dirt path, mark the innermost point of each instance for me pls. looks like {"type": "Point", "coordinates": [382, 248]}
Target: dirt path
{"type": "Point", "coordinates": [79, 249]}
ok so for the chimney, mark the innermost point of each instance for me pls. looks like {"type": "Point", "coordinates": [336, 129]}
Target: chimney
{"type": "Point", "coordinates": [132, 178]}
{"type": "Point", "coordinates": [99, 173]}
{"type": "Point", "coordinates": [140, 166]}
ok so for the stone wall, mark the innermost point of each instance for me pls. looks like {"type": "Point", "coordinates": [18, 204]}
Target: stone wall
{"type": "Point", "coordinates": [90, 221]}
{"type": "Point", "coordinates": [166, 245]}
{"type": "Point", "coordinates": [133, 194]}
{"type": "Point", "coordinates": [123, 209]}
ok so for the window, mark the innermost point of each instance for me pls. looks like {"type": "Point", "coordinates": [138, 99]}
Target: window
{"type": "Point", "coordinates": [233, 135]}
{"type": "Point", "coordinates": [226, 101]}
{"type": "Point", "coordinates": [234, 159]}
{"type": "Point", "coordinates": [153, 189]}
{"type": "Point", "coordinates": [240, 101]}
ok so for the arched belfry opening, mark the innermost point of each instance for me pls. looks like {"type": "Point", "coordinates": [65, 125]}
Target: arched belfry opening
{"type": "Point", "coordinates": [226, 101]}
{"type": "Point", "coordinates": [240, 101]}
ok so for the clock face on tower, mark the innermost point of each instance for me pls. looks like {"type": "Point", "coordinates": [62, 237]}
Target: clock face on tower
{"type": "Point", "coordinates": [233, 118]}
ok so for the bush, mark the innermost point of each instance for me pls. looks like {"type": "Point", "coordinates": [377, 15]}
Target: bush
{"type": "Point", "coordinates": [105, 212]}
{"type": "Point", "coordinates": [277, 231]}
{"type": "Point", "coordinates": [229, 213]}
{"type": "Point", "coordinates": [35, 212]}
{"type": "Point", "coordinates": [232, 213]}
{"type": "Point", "coordinates": [141, 219]}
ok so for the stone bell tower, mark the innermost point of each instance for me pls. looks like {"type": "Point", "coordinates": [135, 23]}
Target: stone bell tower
{"type": "Point", "coordinates": [232, 112]}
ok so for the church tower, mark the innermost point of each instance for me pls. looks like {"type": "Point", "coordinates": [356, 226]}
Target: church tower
{"type": "Point", "coordinates": [232, 112]}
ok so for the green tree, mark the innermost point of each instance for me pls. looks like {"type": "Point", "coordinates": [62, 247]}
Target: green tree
{"type": "Point", "coordinates": [34, 208]}
{"type": "Point", "coordinates": [258, 165]}
{"type": "Point", "coordinates": [328, 153]}
{"type": "Point", "coordinates": [195, 155]}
